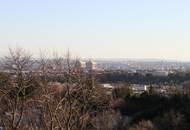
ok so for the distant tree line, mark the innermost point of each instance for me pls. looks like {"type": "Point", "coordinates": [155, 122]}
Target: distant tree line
{"type": "Point", "coordinates": [137, 78]}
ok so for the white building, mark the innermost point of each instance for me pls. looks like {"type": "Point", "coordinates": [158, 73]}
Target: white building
{"type": "Point", "coordinates": [108, 86]}
{"type": "Point", "coordinates": [138, 88]}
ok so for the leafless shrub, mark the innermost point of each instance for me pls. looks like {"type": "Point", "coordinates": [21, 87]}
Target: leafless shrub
{"type": "Point", "coordinates": [143, 125]}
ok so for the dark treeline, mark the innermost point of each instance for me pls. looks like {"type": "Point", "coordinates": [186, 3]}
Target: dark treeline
{"type": "Point", "coordinates": [165, 113]}
{"type": "Point", "coordinates": [152, 111]}
{"type": "Point", "coordinates": [137, 78]}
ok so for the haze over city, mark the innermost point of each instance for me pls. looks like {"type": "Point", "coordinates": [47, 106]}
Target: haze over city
{"type": "Point", "coordinates": [98, 29]}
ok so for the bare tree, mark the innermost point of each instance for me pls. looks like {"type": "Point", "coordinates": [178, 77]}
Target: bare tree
{"type": "Point", "coordinates": [67, 106]}
{"type": "Point", "coordinates": [78, 101]}
{"type": "Point", "coordinates": [19, 66]}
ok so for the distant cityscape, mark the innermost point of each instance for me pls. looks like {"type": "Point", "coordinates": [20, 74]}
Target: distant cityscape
{"type": "Point", "coordinates": [155, 67]}
{"type": "Point", "coordinates": [134, 65]}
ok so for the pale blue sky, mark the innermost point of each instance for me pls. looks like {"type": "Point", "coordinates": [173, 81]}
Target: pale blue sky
{"type": "Point", "coordinates": [98, 28]}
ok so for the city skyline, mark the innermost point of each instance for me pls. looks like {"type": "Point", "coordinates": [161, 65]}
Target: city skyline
{"type": "Point", "coordinates": [98, 29]}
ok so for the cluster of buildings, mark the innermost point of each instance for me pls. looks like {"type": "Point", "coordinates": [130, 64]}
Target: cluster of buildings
{"type": "Point", "coordinates": [86, 66]}
{"type": "Point", "coordinates": [159, 89]}
{"type": "Point", "coordinates": [157, 67]}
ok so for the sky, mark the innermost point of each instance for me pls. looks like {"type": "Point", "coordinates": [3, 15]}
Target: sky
{"type": "Point", "coordinates": [157, 29]}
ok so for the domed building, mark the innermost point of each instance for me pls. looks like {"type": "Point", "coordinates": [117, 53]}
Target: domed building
{"type": "Point", "coordinates": [79, 64]}
{"type": "Point", "coordinates": [90, 65]}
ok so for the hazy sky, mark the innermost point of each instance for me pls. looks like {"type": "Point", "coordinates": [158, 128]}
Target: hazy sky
{"type": "Point", "coordinates": [98, 28]}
